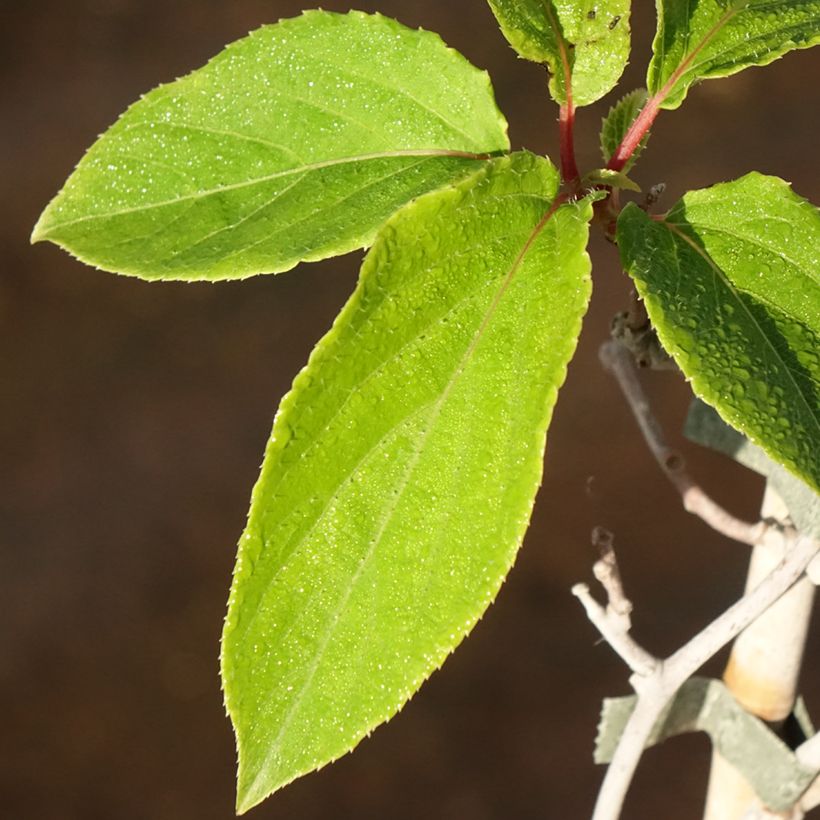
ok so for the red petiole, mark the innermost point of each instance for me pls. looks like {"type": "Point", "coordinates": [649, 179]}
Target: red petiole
{"type": "Point", "coordinates": [566, 123]}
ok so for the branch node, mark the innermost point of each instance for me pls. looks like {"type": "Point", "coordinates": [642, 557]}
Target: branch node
{"type": "Point", "coordinates": [613, 621]}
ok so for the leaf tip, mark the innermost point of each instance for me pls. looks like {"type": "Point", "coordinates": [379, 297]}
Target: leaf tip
{"type": "Point", "coordinates": [255, 781]}
{"type": "Point", "coordinates": [40, 231]}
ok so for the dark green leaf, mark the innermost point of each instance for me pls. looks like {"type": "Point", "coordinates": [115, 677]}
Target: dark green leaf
{"type": "Point", "coordinates": [616, 123]}
{"type": "Point", "coordinates": [731, 281]}
{"type": "Point", "coordinates": [715, 38]}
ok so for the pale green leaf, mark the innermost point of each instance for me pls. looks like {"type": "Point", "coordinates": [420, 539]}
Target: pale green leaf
{"type": "Point", "coordinates": [614, 179]}
{"type": "Point", "coordinates": [295, 143]}
{"type": "Point", "coordinates": [401, 472]}
{"type": "Point", "coordinates": [715, 38]}
{"type": "Point", "coordinates": [616, 123]}
{"type": "Point", "coordinates": [587, 40]}
{"type": "Point", "coordinates": [731, 281]}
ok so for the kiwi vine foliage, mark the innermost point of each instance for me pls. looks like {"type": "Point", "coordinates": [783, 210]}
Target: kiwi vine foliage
{"type": "Point", "coordinates": [401, 472]}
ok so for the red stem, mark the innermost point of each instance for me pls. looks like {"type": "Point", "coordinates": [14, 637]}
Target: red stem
{"type": "Point", "coordinates": [644, 120]}
{"type": "Point", "coordinates": [566, 119]}
{"type": "Point", "coordinates": [637, 131]}
{"type": "Point", "coordinates": [566, 123]}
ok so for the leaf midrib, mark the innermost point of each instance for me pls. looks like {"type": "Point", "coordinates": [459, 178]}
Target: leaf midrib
{"type": "Point", "coordinates": [812, 414]}
{"type": "Point", "coordinates": [703, 226]}
{"type": "Point", "coordinates": [387, 517]}
{"type": "Point", "coordinates": [289, 226]}
{"type": "Point", "coordinates": [303, 169]}
{"type": "Point", "coordinates": [425, 330]}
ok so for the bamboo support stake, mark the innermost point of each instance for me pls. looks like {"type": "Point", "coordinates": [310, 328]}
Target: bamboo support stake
{"type": "Point", "coordinates": [763, 668]}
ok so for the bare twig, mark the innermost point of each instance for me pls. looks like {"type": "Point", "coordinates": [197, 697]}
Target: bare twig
{"type": "Point", "coordinates": [618, 361]}
{"type": "Point", "coordinates": [797, 554]}
{"type": "Point", "coordinates": [763, 670]}
{"type": "Point", "coordinates": [614, 621]}
{"type": "Point", "coordinates": [656, 684]}
{"type": "Point", "coordinates": [611, 627]}
{"type": "Point", "coordinates": [609, 577]}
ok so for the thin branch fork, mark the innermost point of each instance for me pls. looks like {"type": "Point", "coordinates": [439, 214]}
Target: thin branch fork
{"type": "Point", "coordinates": [614, 622]}
{"type": "Point", "coordinates": [657, 681]}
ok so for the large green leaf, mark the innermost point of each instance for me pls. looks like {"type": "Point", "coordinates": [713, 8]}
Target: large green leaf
{"type": "Point", "coordinates": [400, 475]}
{"type": "Point", "coordinates": [295, 143]}
{"type": "Point", "coordinates": [731, 281]}
{"type": "Point", "coordinates": [716, 38]}
{"type": "Point", "coordinates": [587, 40]}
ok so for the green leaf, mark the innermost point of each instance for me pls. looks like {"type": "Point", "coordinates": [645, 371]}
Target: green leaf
{"type": "Point", "coordinates": [716, 38]}
{"type": "Point", "coordinates": [587, 40]}
{"type": "Point", "coordinates": [731, 281]}
{"type": "Point", "coordinates": [295, 143]}
{"type": "Point", "coordinates": [616, 123]}
{"type": "Point", "coordinates": [401, 472]}
{"type": "Point", "coordinates": [614, 179]}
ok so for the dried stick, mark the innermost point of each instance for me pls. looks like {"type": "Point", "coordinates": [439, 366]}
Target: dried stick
{"type": "Point", "coordinates": [613, 622]}
{"type": "Point", "coordinates": [656, 684]}
{"type": "Point", "coordinates": [618, 361]}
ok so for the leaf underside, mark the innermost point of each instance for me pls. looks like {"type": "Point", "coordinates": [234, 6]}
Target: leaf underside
{"type": "Point", "coordinates": [731, 281]}
{"type": "Point", "coordinates": [400, 475]}
{"type": "Point", "coordinates": [716, 38]}
{"type": "Point", "coordinates": [294, 143]}
{"type": "Point", "coordinates": [587, 38]}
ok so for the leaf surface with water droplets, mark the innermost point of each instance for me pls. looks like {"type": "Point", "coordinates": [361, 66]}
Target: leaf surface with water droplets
{"type": "Point", "coordinates": [585, 39]}
{"type": "Point", "coordinates": [716, 38]}
{"type": "Point", "coordinates": [402, 468]}
{"type": "Point", "coordinates": [731, 281]}
{"type": "Point", "coordinates": [295, 143]}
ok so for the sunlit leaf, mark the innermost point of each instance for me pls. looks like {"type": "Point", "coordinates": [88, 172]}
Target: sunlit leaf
{"type": "Point", "coordinates": [731, 281]}
{"type": "Point", "coordinates": [295, 143]}
{"type": "Point", "coordinates": [587, 40]}
{"type": "Point", "coordinates": [716, 38]}
{"type": "Point", "coordinates": [400, 476]}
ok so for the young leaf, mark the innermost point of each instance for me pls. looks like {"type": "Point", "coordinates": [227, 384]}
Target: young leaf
{"type": "Point", "coordinates": [616, 123]}
{"type": "Point", "coordinates": [401, 472]}
{"type": "Point", "coordinates": [584, 43]}
{"type": "Point", "coordinates": [716, 38]}
{"type": "Point", "coordinates": [295, 143]}
{"type": "Point", "coordinates": [614, 179]}
{"type": "Point", "coordinates": [731, 281]}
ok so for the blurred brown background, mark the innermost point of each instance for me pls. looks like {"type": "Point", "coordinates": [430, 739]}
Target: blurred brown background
{"type": "Point", "coordinates": [132, 424]}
